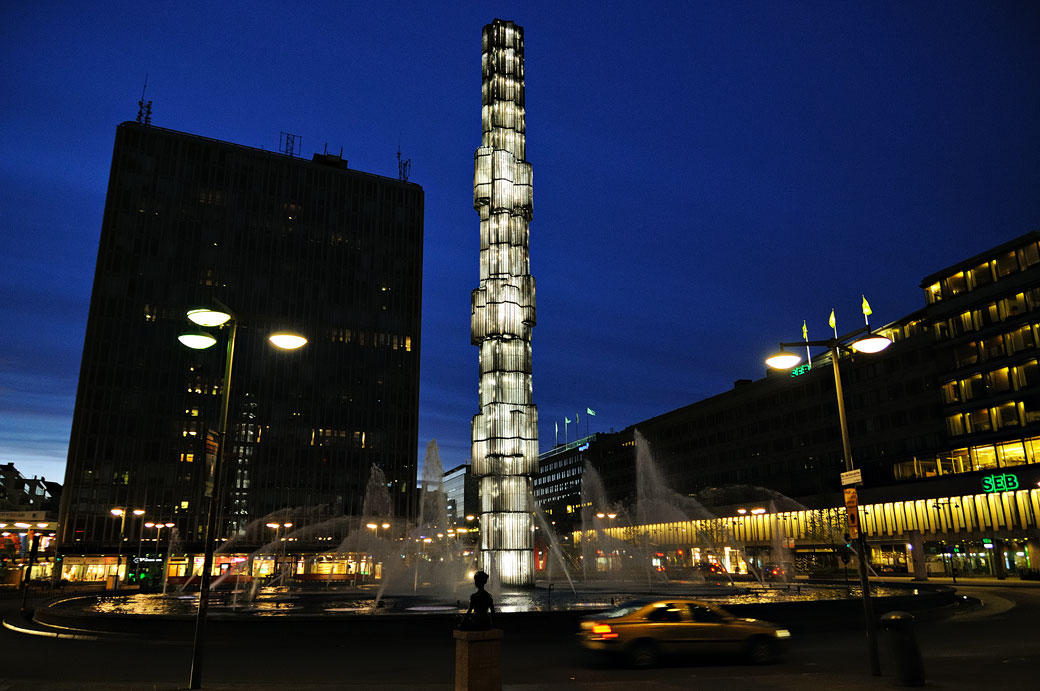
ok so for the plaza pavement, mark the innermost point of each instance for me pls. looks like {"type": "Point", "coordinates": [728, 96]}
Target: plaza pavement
{"type": "Point", "coordinates": [729, 678]}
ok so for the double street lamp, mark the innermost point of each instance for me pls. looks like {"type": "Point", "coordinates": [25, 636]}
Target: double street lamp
{"type": "Point", "coordinates": [121, 513]}
{"type": "Point", "coordinates": [208, 317]}
{"type": "Point", "coordinates": [861, 340]}
{"type": "Point", "coordinates": [158, 550]}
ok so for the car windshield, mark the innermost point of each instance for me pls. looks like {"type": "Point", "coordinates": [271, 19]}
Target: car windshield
{"type": "Point", "coordinates": [624, 609]}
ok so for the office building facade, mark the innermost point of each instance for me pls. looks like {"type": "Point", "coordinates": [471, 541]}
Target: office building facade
{"type": "Point", "coordinates": [287, 244]}
{"type": "Point", "coordinates": [944, 425]}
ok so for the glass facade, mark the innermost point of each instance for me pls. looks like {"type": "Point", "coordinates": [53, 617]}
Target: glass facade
{"type": "Point", "coordinates": [505, 431]}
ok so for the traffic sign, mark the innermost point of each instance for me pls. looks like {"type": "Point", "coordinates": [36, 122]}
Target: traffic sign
{"type": "Point", "coordinates": [852, 477]}
{"type": "Point", "coordinates": [852, 511]}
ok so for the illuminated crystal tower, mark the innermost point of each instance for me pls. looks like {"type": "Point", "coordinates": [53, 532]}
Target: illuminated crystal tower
{"type": "Point", "coordinates": [505, 431]}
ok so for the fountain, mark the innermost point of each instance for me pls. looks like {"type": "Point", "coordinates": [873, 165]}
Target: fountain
{"type": "Point", "coordinates": [425, 568]}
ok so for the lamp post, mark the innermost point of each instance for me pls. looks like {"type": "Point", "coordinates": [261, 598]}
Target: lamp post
{"type": "Point", "coordinates": [158, 549]}
{"type": "Point", "coordinates": [121, 512]}
{"type": "Point", "coordinates": [277, 527]}
{"type": "Point", "coordinates": [200, 340]}
{"type": "Point", "coordinates": [374, 527]}
{"type": "Point", "coordinates": [862, 341]}
{"type": "Point", "coordinates": [944, 515]}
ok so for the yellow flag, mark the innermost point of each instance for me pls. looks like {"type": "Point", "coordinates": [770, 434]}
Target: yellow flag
{"type": "Point", "coordinates": [805, 331]}
{"type": "Point", "coordinates": [866, 307]}
{"type": "Point", "coordinates": [831, 322]}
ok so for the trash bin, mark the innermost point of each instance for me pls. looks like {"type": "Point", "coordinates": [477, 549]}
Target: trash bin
{"type": "Point", "coordinates": [906, 655]}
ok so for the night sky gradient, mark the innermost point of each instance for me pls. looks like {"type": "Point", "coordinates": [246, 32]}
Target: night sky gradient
{"type": "Point", "coordinates": [706, 175]}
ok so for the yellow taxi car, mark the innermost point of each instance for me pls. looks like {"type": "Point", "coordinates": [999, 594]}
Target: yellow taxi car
{"type": "Point", "coordinates": [646, 631]}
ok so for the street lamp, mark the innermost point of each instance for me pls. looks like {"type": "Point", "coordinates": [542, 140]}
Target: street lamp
{"type": "Point", "coordinates": [198, 340]}
{"type": "Point", "coordinates": [121, 513]}
{"type": "Point", "coordinates": [158, 550]}
{"type": "Point", "coordinates": [276, 527]}
{"type": "Point", "coordinates": [862, 341]}
{"type": "Point", "coordinates": [944, 515]}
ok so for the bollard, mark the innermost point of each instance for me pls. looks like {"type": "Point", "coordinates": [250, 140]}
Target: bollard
{"type": "Point", "coordinates": [906, 655]}
{"type": "Point", "coordinates": [478, 660]}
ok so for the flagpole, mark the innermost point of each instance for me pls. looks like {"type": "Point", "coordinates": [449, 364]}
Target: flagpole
{"type": "Point", "coordinates": [805, 337]}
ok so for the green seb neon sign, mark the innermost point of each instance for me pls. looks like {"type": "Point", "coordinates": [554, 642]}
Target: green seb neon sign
{"type": "Point", "coordinates": [999, 483]}
{"type": "Point", "coordinates": [797, 371]}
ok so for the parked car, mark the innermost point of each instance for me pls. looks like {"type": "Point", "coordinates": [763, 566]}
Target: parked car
{"type": "Point", "coordinates": [644, 632]}
{"type": "Point", "coordinates": [710, 568]}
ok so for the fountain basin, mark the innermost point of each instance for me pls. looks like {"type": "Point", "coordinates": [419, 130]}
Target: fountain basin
{"type": "Point", "coordinates": [801, 607]}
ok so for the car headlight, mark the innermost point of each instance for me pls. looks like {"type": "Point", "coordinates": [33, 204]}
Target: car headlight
{"type": "Point", "coordinates": [783, 633]}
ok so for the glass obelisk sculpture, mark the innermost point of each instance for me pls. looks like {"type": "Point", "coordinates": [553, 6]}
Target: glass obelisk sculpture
{"type": "Point", "coordinates": [505, 431]}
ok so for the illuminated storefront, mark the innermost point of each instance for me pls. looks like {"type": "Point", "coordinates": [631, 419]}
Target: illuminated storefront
{"type": "Point", "coordinates": [992, 531]}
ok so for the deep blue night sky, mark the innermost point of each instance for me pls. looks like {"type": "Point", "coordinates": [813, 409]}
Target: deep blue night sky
{"type": "Point", "coordinates": [706, 175]}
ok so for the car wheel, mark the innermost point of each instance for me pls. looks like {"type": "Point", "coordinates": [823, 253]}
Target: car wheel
{"type": "Point", "coordinates": [759, 651]}
{"type": "Point", "coordinates": [643, 654]}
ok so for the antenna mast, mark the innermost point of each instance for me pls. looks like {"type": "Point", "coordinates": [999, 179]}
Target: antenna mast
{"type": "Point", "coordinates": [287, 143]}
{"type": "Point", "coordinates": [144, 108]}
{"type": "Point", "coordinates": [403, 167]}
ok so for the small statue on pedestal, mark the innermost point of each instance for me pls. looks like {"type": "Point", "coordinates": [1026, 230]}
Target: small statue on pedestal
{"type": "Point", "coordinates": [481, 607]}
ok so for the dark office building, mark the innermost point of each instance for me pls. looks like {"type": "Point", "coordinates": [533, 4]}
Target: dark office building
{"type": "Point", "coordinates": [286, 243]}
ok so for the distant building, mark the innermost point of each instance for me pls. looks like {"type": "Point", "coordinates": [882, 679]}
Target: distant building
{"type": "Point", "coordinates": [19, 493]}
{"type": "Point", "coordinates": [558, 484]}
{"type": "Point", "coordinates": [286, 243]}
{"type": "Point", "coordinates": [461, 492]}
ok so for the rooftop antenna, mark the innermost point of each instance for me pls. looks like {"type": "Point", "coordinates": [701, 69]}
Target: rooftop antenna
{"type": "Point", "coordinates": [144, 108]}
{"type": "Point", "coordinates": [287, 143]}
{"type": "Point", "coordinates": [403, 167]}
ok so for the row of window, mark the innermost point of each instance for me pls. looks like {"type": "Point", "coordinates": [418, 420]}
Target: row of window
{"type": "Point", "coordinates": [1001, 416]}
{"type": "Point", "coordinates": [996, 346]}
{"type": "Point", "coordinates": [376, 339]}
{"type": "Point", "coordinates": [984, 273]}
{"type": "Point", "coordinates": [337, 437]}
{"type": "Point", "coordinates": [982, 384]}
{"type": "Point", "coordinates": [986, 315]}
{"type": "Point", "coordinates": [966, 460]}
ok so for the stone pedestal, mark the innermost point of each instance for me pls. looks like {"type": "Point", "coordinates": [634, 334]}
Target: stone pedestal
{"type": "Point", "coordinates": [478, 660]}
